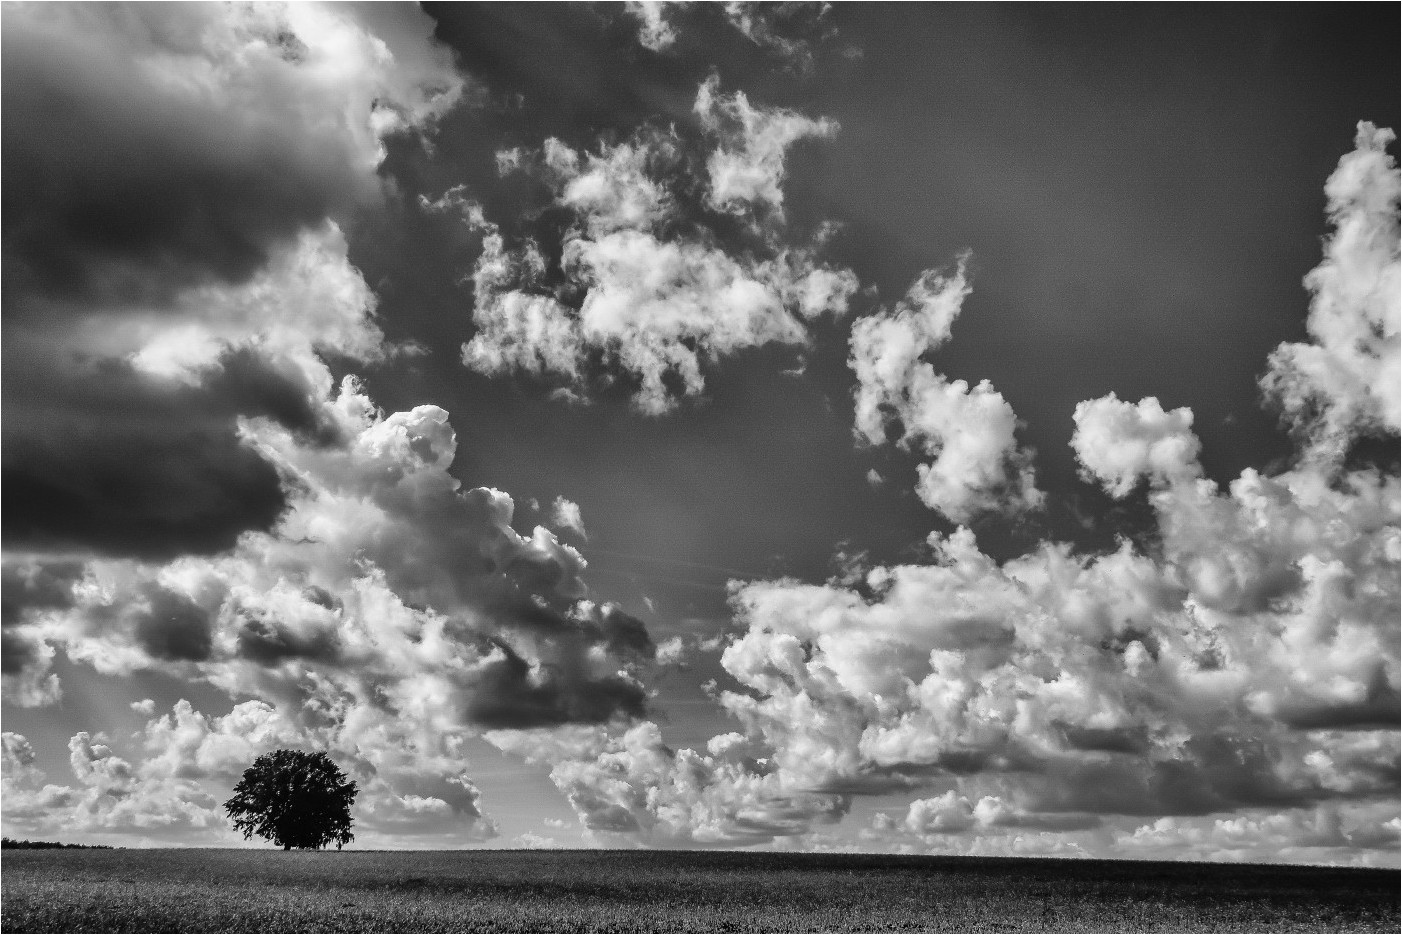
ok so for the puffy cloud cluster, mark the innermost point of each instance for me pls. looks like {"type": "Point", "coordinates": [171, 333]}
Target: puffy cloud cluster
{"type": "Point", "coordinates": [1331, 833]}
{"type": "Point", "coordinates": [380, 570]}
{"type": "Point", "coordinates": [649, 293]}
{"type": "Point", "coordinates": [188, 761]}
{"type": "Point", "coordinates": [968, 433]}
{"type": "Point", "coordinates": [1246, 665]}
{"type": "Point", "coordinates": [787, 31]}
{"type": "Point", "coordinates": [1241, 670]}
{"type": "Point", "coordinates": [1347, 833]}
{"type": "Point", "coordinates": [1346, 381]}
{"type": "Point", "coordinates": [952, 813]}
{"type": "Point", "coordinates": [193, 492]}
{"type": "Point", "coordinates": [1229, 693]}
{"type": "Point", "coordinates": [621, 779]}
{"type": "Point", "coordinates": [388, 617]}
{"type": "Point", "coordinates": [173, 254]}
{"type": "Point", "coordinates": [111, 795]}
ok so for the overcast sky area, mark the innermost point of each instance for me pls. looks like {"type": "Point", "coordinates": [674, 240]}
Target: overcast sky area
{"type": "Point", "coordinates": [914, 428]}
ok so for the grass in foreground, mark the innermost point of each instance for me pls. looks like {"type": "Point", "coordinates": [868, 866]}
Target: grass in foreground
{"type": "Point", "coordinates": [648, 891]}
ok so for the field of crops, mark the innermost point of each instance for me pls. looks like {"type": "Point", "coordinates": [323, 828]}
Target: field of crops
{"type": "Point", "coordinates": [607, 891]}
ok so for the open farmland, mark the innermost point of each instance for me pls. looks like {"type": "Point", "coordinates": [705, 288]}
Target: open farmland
{"type": "Point", "coordinates": [484, 891]}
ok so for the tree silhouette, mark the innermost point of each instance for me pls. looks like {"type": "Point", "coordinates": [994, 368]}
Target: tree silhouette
{"type": "Point", "coordinates": [294, 799]}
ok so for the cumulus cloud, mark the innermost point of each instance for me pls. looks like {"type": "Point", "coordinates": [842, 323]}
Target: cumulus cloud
{"type": "Point", "coordinates": [172, 784]}
{"type": "Point", "coordinates": [197, 494]}
{"type": "Point", "coordinates": [649, 292]}
{"type": "Point", "coordinates": [1075, 684]}
{"type": "Point", "coordinates": [1245, 664]}
{"type": "Point", "coordinates": [1119, 443]}
{"type": "Point", "coordinates": [622, 780]}
{"type": "Point", "coordinates": [18, 759]}
{"type": "Point", "coordinates": [382, 572]}
{"type": "Point", "coordinates": [654, 30]}
{"type": "Point", "coordinates": [968, 433]}
{"type": "Point", "coordinates": [388, 617]}
{"type": "Point", "coordinates": [258, 526]}
{"type": "Point", "coordinates": [787, 32]}
{"type": "Point", "coordinates": [952, 813]}
{"type": "Point", "coordinates": [1332, 833]}
{"type": "Point", "coordinates": [531, 841]}
{"type": "Point", "coordinates": [1231, 688]}
{"type": "Point", "coordinates": [111, 795]}
{"type": "Point", "coordinates": [1346, 381]}
{"type": "Point", "coordinates": [566, 515]}
{"type": "Point", "coordinates": [747, 168]}
{"type": "Point", "coordinates": [1249, 664]}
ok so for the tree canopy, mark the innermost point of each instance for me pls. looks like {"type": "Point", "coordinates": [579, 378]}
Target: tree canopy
{"type": "Point", "coordinates": [294, 799]}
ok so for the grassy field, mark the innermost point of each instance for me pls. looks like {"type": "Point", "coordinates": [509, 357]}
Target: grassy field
{"type": "Point", "coordinates": [606, 891]}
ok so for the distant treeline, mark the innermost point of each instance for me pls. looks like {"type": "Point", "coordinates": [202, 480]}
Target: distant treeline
{"type": "Point", "coordinates": [7, 843]}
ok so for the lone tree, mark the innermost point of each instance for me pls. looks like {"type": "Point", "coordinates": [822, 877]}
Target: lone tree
{"type": "Point", "coordinates": [294, 799]}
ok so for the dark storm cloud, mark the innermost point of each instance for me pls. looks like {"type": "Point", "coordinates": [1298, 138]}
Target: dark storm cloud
{"type": "Point", "coordinates": [29, 588]}
{"type": "Point", "coordinates": [108, 458]}
{"type": "Point", "coordinates": [127, 493]}
{"type": "Point", "coordinates": [1380, 708]}
{"type": "Point", "coordinates": [508, 693]}
{"type": "Point", "coordinates": [18, 651]}
{"type": "Point", "coordinates": [270, 642]}
{"type": "Point", "coordinates": [173, 627]}
{"type": "Point", "coordinates": [121, 185]}
{"type": "Point", "coordinates": [562, 686]}
{"type": "Point", "coordinates": [248, 383]}
{"type": "Point", "coordinates": [35, 585]}
{"type": "Point", "coordinates": [163, 166]}
{"type": "Point", "coordinates": [1214, 774]}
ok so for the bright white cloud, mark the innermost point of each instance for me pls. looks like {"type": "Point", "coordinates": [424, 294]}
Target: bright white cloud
{"type": "Point", "coordinates": [111, 797]}
{"type": "Point", "coordinates": [1119, 443]}
{"type": "Point", "coordinates": [788, 31]}
{"type": "Point", "coordinates": [760, 23]}
{"type": "Point", "coordinates": [968, 433]}
{"type": "Point", "coordinates": [387, 618]}
{"type": "Point", "coordinates": [1332, 833]}
{"type": "Point", "coordinates": [654, 31]}
{"type": "Point", "coordinates": [1246, 665]}
{"type": "Point", "coordinates": [566, 515]}
{"type": "Point", "coordinates": [660, 299]}
{"type": "Point", "coordinates": [747, 167]}
{"type": "Point", "coordinates": [1103, 676]}
{"type": "Point", "coordinates": [625, 781]}
{"type": "Point", "coordinates": [1346, 382]}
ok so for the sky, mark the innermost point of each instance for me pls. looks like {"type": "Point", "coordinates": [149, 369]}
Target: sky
{"type": "Point", "coordinates": [950, 429]}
